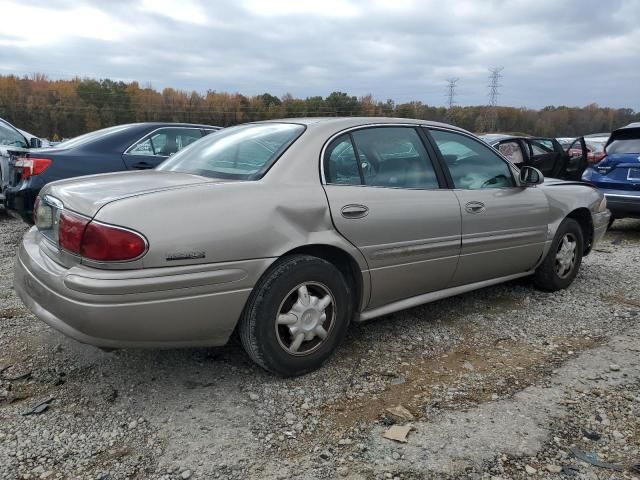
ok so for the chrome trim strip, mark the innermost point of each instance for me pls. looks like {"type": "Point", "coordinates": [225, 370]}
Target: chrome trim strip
{"type": "Point", "coordinates": [433, 296]}
{"type": "Point", "coordinates": [619, 195]}
{"type": "Point", "coordinates": [433, 246]}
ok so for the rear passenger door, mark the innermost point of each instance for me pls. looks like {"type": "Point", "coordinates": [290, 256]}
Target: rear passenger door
{"type": "Point", "coordinates": [156, 147]}
{"type": "Point", "coordinates": [504, 226]}
{"type": "Point", "coordinates": [384, 190]}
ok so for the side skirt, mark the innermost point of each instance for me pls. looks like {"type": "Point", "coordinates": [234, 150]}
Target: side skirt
{"type": "Point", "coordinates": [433, 296]}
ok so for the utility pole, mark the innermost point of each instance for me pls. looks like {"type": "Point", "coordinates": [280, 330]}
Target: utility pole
{"type": "Point", "coordinates": [494, 86]}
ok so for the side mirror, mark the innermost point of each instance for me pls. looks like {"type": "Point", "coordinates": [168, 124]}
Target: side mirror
{"type": "Point", "coordinates": [530, 176]}
{"type": "Point", "coordinates": [35, 142]}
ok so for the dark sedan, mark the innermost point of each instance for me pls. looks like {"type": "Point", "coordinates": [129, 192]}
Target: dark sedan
{"type": "Point", "coordinates": [545, 154]}
{"type": "Point", "coordinates": [135, 146]}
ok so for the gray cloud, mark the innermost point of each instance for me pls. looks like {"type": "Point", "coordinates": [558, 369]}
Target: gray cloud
{"type": "Point", "coordinates": [572, 52]}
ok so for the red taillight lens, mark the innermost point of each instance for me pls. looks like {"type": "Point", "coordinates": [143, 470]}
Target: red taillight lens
{"type": "Point", "coordinates": [71, 228]}
{"type": "Point", "coordinates": [32, 166]}
{"type": "Point", "coordinates": [106, 243]}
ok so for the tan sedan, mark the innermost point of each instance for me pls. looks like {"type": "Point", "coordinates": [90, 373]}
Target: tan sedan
{"type": "Point", "coordinates": [288, 230]}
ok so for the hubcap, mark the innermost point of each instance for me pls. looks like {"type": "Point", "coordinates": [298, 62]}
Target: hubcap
{"type": "Point", "coordinates": [566, 255]}
{"type": "Point", "coordinates": [305, 318]}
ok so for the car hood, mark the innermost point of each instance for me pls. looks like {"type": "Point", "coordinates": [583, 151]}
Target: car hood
{"type": "Point", "coordinates": [86, 195]}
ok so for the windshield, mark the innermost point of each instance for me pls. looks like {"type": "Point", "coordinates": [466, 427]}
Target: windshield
{"type": "Point", "coordinates": [631, 145]}
{"type": "Point", "coordinates": [244, 153]}
{"type": "Point", "coordinates": [88, 137]}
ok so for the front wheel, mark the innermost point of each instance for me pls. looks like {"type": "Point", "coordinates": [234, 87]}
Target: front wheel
{"type": "Point", "coordinates": [296, 316]}
{"type": "Point", "coordinates": [561, 265]}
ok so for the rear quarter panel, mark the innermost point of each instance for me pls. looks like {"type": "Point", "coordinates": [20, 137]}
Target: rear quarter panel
{"type": "Point", "coordinates": [223, 222]}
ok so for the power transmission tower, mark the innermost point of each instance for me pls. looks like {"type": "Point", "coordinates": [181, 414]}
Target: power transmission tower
{"type": "Point", "coordinates": [451, 91]}
{"type": "Point", "coordinates": [451, 98]}
{"type": "Point", "coordinates": [494, 86]}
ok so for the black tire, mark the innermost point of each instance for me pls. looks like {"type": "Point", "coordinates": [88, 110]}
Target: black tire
{"type": "Point", "coordinates": [547, 276]}
{"type": "Point", "coordinates": [265, 341]}
{"type": "Point", "coordinates": [611, 220]}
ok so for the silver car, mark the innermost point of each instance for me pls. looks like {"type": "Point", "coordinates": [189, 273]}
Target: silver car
{"type": "Point", "coordinates": [288, 230]}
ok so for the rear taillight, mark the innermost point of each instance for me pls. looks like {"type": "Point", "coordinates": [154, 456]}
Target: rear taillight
{"type": "Point", "coordinates": [98, 241]}
{"type": "Point", "coordinates": [29, 167]}
{"type": "Point", "coordinates": [71, 229]}
{"type": "Point", "coordinates": [106, 243]}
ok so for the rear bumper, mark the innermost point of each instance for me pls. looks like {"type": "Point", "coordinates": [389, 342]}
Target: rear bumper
{"type": "Point", "coordinates": [600, 225]}
{"type": "Point", "coordinates": [623, 203]}
{"type": "Point", "coordinates": [19, 200]}
{"type": "Point", "coordinates": [198, 305]}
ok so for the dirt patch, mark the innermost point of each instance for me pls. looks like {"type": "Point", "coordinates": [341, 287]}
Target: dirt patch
{"type": "Point", "coordinates": [469, 374]}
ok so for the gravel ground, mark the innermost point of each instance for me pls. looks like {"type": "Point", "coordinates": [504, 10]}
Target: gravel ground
{"type": "Point", "coordinates": [502, 383]}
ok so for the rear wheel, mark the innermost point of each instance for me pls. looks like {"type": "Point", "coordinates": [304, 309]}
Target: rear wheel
{"type": "Point", "coordinates": [561, 265]}
{"type": "Point", "coordinates": [296, 316]}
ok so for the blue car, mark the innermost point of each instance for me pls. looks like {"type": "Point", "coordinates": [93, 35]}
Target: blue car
{"type": "Point", "coordinates": [617, 175]}
{"type": "Point", "coordinates": [133, 146]}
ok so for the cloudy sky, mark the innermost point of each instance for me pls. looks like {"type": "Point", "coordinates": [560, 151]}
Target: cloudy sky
{"type": "Point", "coordinates": [570, 52]}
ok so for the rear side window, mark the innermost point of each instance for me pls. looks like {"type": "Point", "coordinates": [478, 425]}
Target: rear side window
{"type": "Point", "coordinates": [166, 142]}
{"type": "Point", "coordinates": [341, 167]}
{"type": "Point", "coordinates": [244, 152]}
{"type": "Point", "coordinates": [472, 164]}
{"type": "Point", "coordinates": [386, 157]}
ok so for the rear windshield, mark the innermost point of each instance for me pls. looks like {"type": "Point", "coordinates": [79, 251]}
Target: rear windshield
{"type": "Point", "coordinates": [631, 145]}
{"type": "Point", "coordinates": [89, 137]}
{"type": "Point", "coordinates": [244, 152]}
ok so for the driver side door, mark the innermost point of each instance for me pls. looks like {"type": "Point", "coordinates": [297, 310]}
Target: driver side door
{"type": "Point", "coordinates": [504, 225]}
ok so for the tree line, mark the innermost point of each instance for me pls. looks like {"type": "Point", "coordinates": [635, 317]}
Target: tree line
{"type": "Point", "coordinates": [57, 109]}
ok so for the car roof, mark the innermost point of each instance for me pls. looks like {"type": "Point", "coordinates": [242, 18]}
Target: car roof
{"type": "Point", "coordinates": [347, 122]}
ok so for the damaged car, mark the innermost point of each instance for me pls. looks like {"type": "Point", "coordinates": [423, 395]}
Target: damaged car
{"type": "Point", "coordinates": [545, 154]}
{"type": "Point", "coordinates": [288, 230]}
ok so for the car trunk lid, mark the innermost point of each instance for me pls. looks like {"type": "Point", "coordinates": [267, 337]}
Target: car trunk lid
{"type": "Point", "coordinates": [86, 196]}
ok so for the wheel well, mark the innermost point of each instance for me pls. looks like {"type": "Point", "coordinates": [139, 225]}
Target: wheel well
{"type": "Point", "coordinates": [342, 261]}
{"type": "Point", "coordinates": [583, 217]}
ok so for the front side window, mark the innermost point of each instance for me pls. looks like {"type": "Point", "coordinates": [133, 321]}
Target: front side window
{"type": "Point", "coordinates": [244, 152]}
{"type": "Point", "coordinates": [11, 138]}
{"type": "Point", "coordinates": [472, 164]}
{"type": "Point", "coordinates": [166, 142]}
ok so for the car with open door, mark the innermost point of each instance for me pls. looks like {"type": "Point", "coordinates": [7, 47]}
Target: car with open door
{"type": "Point", "coordinates": [136, 146]}
{"type": "Point", "coordinates": [545, 154]}
{"type": "Point", "coordinates": [288, 230]}
{"type": "Point", "coordinates": [13, 141]}
{"type": "Point", "coordinates": [617, 174]}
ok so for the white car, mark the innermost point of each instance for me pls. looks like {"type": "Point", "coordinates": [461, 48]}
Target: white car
{"type": "Point", "coordinates": [14, 140]}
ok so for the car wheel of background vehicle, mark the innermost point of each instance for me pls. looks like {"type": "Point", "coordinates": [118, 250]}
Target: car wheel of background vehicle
{"type": "Point", "coordinates": [611, 220]}
{"type": "Point", "coordinates": [563, 260]}
{"type": "Point", "coordinates": [296, 316]}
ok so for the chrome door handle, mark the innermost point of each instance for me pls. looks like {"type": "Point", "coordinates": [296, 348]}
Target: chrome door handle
{"type": "Point", "coordinates": [354, 211]}
{"type": "Point", "coordinates": [475, 207]}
